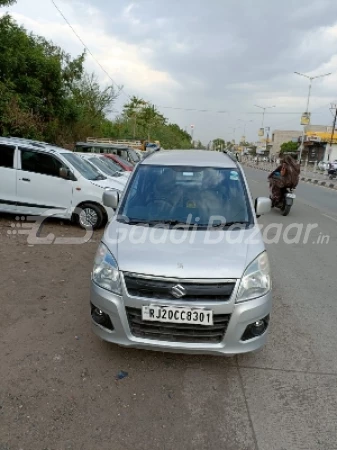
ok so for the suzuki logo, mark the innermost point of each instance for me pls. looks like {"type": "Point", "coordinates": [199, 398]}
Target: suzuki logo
{"type": "Point", "coordinates": [178, 291]}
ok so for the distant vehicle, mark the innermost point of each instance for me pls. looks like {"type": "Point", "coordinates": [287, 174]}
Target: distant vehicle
{"type": "Point", "coordinates": [127, 153]}
{"type": "Point", "coordinates": [107, 167]}
{"type": "Point", "coordinates": [322, 165]}
{"type": "Point", "coordinates": [140, 153]}
{"type": "Point", "coordinates": [125, 165]}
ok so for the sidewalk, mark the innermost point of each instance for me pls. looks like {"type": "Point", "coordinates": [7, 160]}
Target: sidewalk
{"type": "Point", "coordinates": [319, 178]}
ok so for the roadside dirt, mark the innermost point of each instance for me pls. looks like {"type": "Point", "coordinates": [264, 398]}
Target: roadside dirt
{"type": "Point", "coordinates": [58, 386]}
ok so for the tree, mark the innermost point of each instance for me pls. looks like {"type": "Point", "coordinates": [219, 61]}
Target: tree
{"type": "Point", "coordinates": [7, 2]}
{"type": "Point", "coordinates": [219, 143]}
{"type": "Point", "coordinates": [44, 92]}
{"type": "Point", "coordinates": [289, 147]}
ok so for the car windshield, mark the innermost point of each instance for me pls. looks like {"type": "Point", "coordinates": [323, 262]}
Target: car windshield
{"type": "Point", "coordinates": [86, 169]}
{"type": "Point", "coordinates": [124, 162]}
{"type": "Point", "coordinates": [200, 196]}
{"type": "Point", "coordinates": [112, 165]}
{"type": "Point", "coordinates": [103, 165]}
{"type": "Point", "coordinates": [133, 155]}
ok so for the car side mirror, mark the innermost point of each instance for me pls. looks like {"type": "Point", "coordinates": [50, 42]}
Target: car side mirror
{"type": "Point", "coordinates": [111, 198]}
{"type": "Point", "coordinates": [262, 206]}
{"type": "Point", "coordinates": [66, 174]}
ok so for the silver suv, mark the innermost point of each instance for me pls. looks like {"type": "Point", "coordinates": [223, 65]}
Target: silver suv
{"type": "Point", "coordinates": [182, 265]}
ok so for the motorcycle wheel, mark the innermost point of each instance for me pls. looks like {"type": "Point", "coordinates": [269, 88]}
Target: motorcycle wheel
{"type": "Point", "coordinates": [285, 210]}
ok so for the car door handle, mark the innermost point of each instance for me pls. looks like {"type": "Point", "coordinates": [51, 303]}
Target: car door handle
{"type": "Point", "coordinates": [25, 179]}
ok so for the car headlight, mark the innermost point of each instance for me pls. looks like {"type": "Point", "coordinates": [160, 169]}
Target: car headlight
{"type": "Point", "coordinates": [256, 280]}
{"type": "Point", "coordinates": [105, 272]}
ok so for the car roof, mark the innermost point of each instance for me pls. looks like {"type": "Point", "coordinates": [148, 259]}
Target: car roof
{"type": "Point", "coordinates": [33, 144]}
{"type": "Point", "coordinates": [103, 145]}
{"type": "Point", "coordinates": [90, 155]}
{"type": "Point", "coordinates": [197, 158]}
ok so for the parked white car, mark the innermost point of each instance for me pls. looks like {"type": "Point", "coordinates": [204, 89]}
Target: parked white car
{"type": "Point", "coordinates": [107, 168]}
{"type": "Point", "coordinates": [44, 180]}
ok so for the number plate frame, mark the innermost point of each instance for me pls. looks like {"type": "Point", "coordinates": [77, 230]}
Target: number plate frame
{"type": "Point", "coordinates": [177, 314]}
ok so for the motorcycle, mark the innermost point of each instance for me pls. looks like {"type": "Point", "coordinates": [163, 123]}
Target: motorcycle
{"type": "Point", "coordinates": [332, 174]}
{"type": "Point", "coordinates": [287, 200]}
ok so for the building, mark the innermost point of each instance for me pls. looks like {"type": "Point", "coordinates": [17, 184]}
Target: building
{"type": "Point", "coordinates": [317, 143]}
{"type": "Point", "coordinates": [280, 137]}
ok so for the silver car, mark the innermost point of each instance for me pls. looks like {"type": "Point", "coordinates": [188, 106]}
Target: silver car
{"type": "Point", "coordinates": [182, 265]}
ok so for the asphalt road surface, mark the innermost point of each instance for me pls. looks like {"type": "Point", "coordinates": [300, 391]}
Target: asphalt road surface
{"type": "Point", "coordinates": [58, 388]}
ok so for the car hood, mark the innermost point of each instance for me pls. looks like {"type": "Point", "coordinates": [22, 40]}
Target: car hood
{"type": "Point", "coordinates": [109, 183]}
{"type": "Point", "coordinates": [183, 253]}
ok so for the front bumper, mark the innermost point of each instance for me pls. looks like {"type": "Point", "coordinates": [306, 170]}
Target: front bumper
{"type": "Point", "coordinates": [241, 316]}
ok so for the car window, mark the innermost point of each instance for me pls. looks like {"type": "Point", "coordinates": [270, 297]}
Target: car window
{"type": "Point", "coordinates": [86, 169]}
{"type": "Point", "coordinates": [7, 156]}
{"type": "Point", "coordinates": [200, 195]}
{"type": "Point", "coordinates": [112, 165]}
{"type": "Point", "coordinates": [133, 156]}
{"type": "Point", "coordinates": [38, 162]}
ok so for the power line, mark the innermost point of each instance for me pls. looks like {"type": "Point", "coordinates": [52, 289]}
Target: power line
{"type": "Point", "coordinates": [225, 112]}
{"type": "Point", "coordinates": [120, 89]}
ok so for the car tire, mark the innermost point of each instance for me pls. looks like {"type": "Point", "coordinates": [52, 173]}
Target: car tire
{"type": "Point", "coordinates": [89, 216]}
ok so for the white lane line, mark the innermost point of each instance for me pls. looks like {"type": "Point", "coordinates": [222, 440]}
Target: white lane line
{"type": "Point", "coordinates": [329, 217]}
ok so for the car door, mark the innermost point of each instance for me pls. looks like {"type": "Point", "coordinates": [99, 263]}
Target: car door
{"type": "Point", "coordinates": [8, 196]}
{"type": "Point", "coordinates": [40, 188]}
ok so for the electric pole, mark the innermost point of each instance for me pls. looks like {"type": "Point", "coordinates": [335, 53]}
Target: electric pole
{"type": "Point", "coordinates": [333, 106]}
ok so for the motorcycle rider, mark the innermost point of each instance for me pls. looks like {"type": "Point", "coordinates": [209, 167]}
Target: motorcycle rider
{"type": "Point", "coordinates": [286, 175]}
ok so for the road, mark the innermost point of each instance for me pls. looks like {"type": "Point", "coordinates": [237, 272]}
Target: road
{"type": "Point", "coordinates": [318, 197]}
{"type": "Point", "coordinates": [58, 387]}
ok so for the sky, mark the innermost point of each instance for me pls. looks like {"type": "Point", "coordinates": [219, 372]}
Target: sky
{"type": "Point", "coordinates": [203, 63]}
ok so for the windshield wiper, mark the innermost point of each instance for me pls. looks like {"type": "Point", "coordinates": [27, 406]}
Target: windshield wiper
{"type": "Point", "coordinates": [150, 223]}
{"type": "Point", "coordinates": [170, 222]}
{"type": "Point", "coordinates": [228, 224]}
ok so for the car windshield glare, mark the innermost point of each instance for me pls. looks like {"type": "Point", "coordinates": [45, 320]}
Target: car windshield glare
{"type": "Point", "coordinates": [103, 166]}
{"type": "Point", "coordinates": [86, 169]}
{"type": "Point", "coordinates": [203, 197]}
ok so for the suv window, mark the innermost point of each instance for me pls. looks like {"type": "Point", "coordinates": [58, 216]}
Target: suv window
{"type": "Point", "coordinates": [7, 156]}
{"type": "Point", "coordinates": [42, 163]}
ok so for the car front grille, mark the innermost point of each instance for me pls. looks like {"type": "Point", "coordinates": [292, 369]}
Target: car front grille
{"type": "Point", "coordinates": [161, 289]}
{"type": "Point", "coordinates": [177, 332]}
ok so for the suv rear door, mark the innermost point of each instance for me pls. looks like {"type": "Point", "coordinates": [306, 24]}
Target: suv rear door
{"type": "Point", "coordinates": [8, 171]}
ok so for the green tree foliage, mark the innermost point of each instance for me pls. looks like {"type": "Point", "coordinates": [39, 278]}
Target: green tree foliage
{"type": "Point", "coordinates": [7, 2]}
{"type": "Point", "coordinates": [46, 94]}
{"type": "Point", "coordinates": [289, 147]}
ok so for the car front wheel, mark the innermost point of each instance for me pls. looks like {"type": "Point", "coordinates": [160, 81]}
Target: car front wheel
{"type": "Point", "coordinates": [90, 216]}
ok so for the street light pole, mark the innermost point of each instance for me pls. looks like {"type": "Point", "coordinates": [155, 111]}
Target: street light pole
{"type": "Point", "coordinates": [264, 110]}
{"type": "Point", "coordinates": [234, 130]}
{"type": "Point", "coordinates": [333, 106]}
{"type": "Point", "coordinates": [308, 99]}
{"type": "Point", "coordinates": [244, 126]}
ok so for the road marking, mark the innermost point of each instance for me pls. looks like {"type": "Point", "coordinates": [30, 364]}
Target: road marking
{"type": "Point", "coordinates": [329, 217]}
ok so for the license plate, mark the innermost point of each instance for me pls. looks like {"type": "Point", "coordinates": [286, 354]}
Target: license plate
{"type": "Point", "coordinates": [291, 195]}
{"type": "Point", "coordinates": [174, 314]}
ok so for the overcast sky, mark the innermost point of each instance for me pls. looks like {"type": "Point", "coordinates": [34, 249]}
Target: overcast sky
{"type": "Point", "coordinates": [215, 55]}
